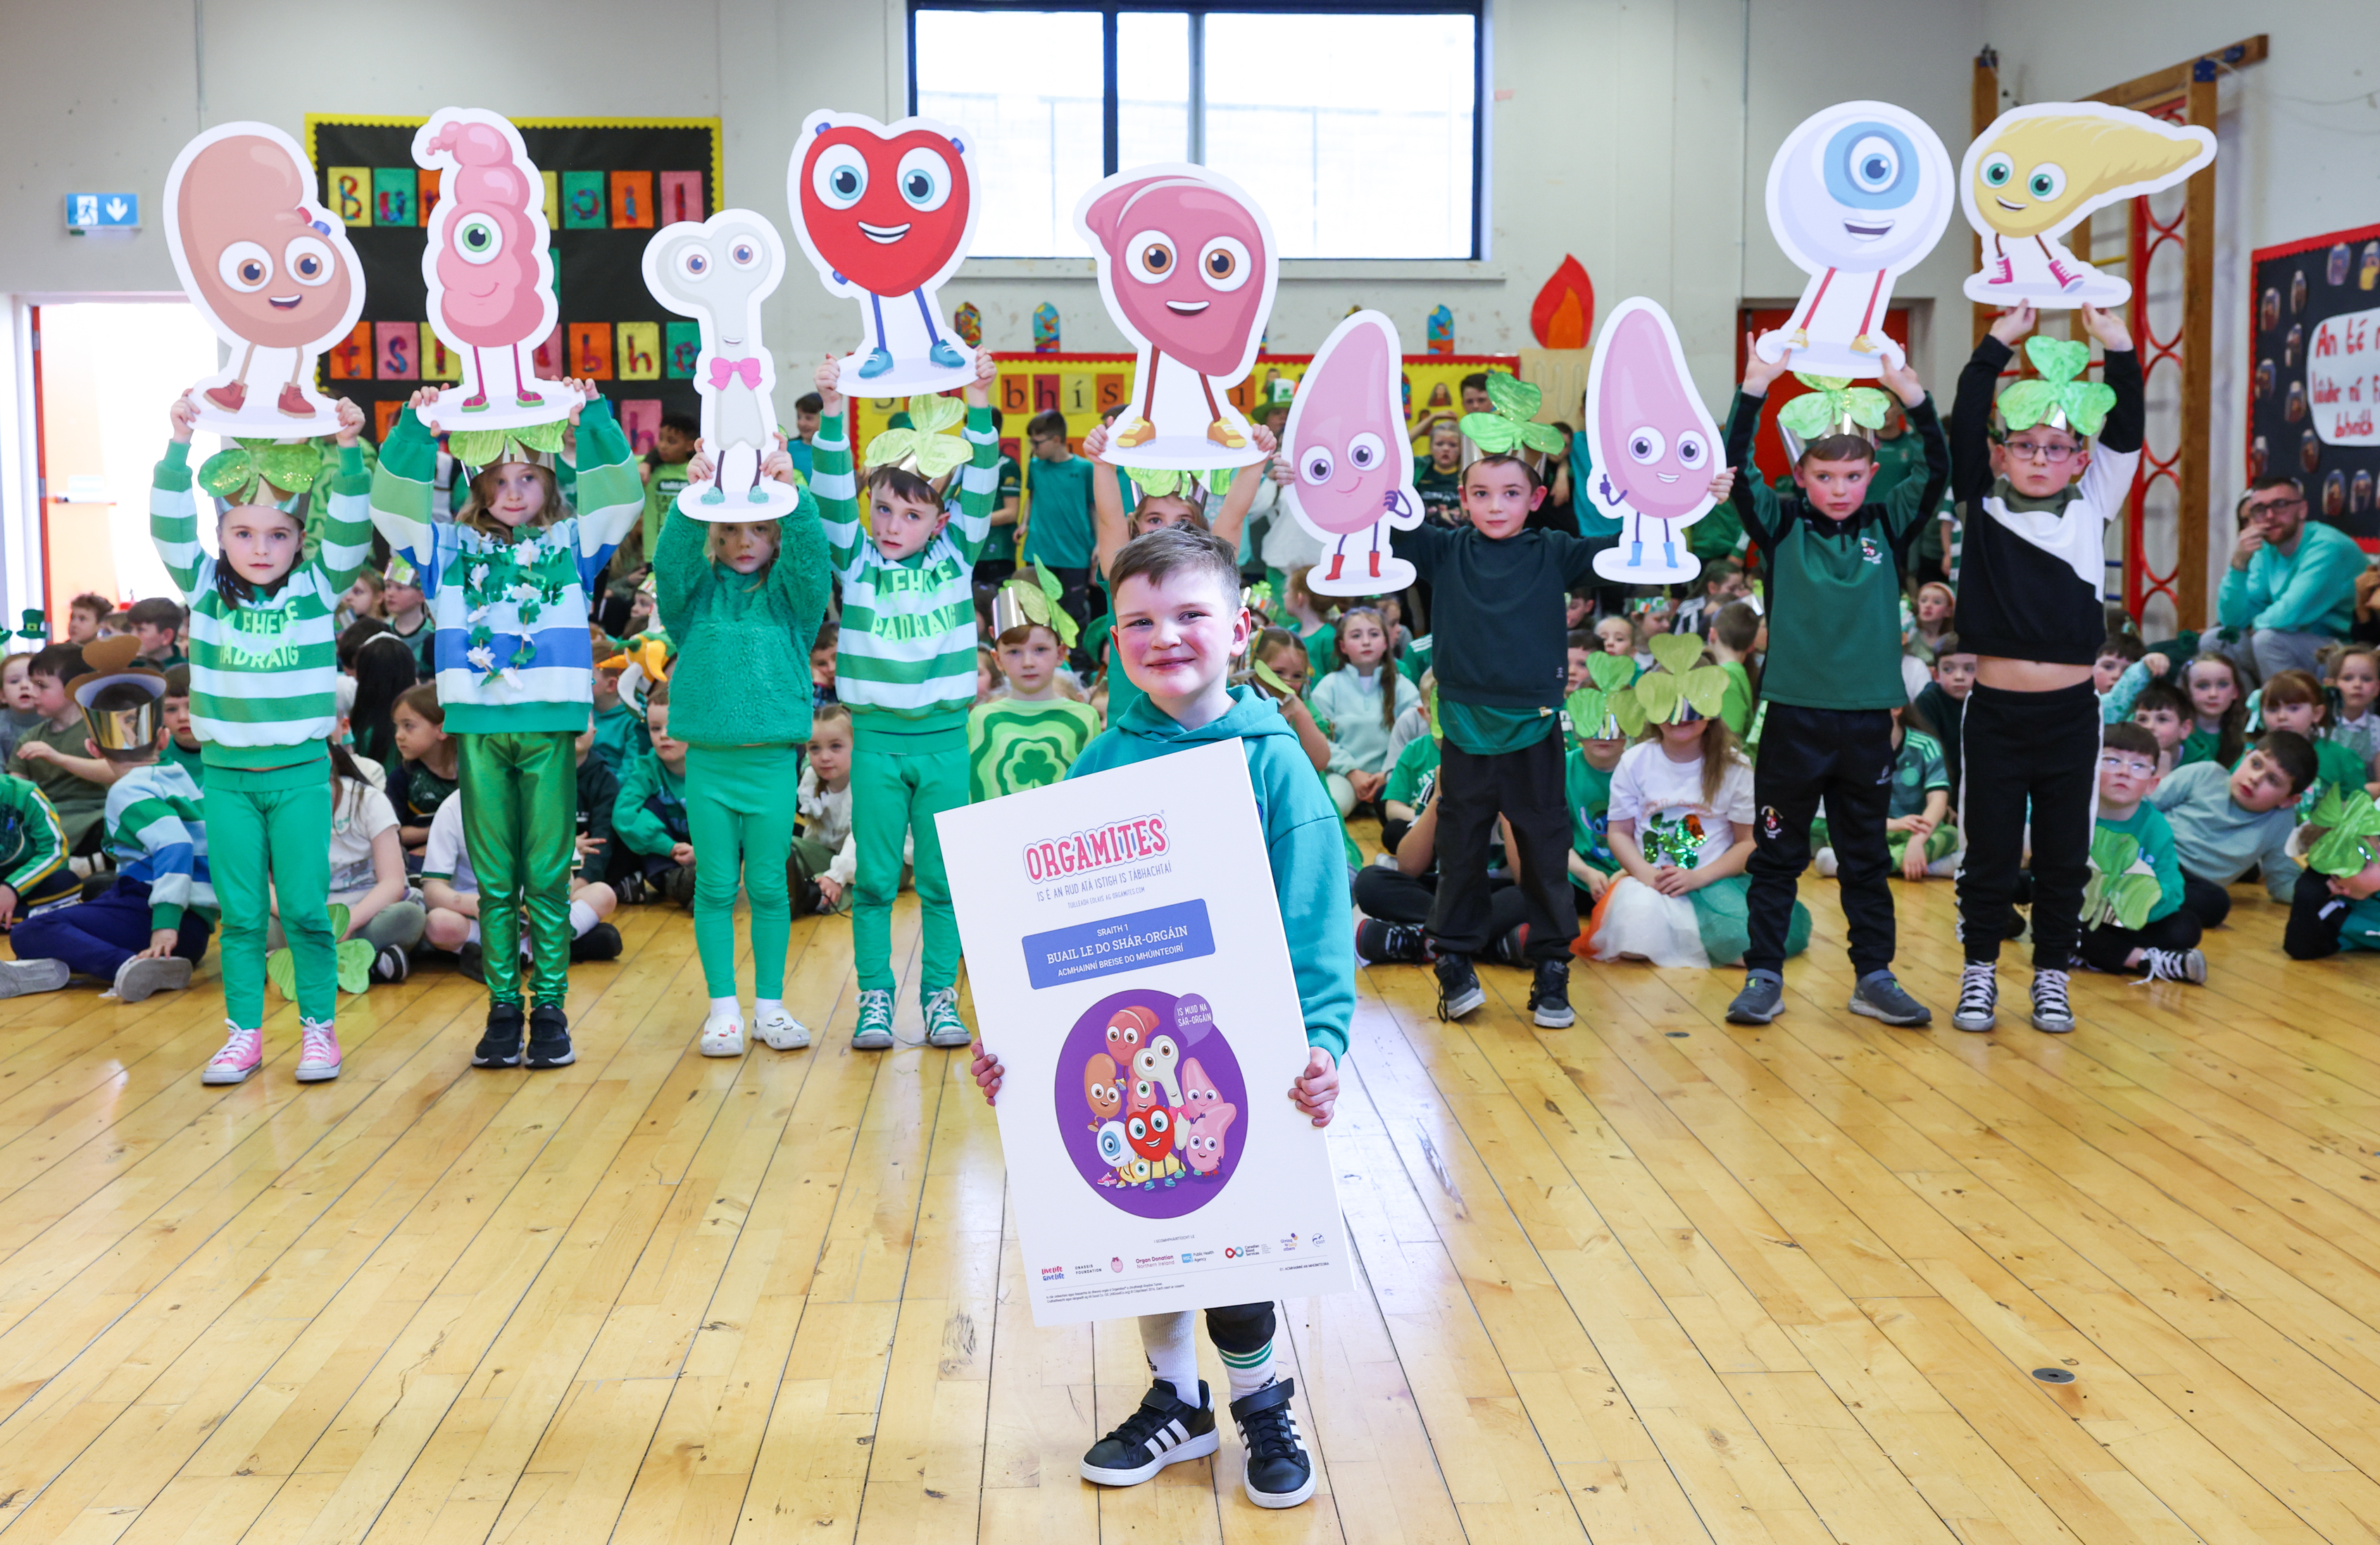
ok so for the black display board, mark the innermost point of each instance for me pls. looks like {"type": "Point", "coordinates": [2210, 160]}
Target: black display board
{"type": "Point", "coordinates": [2313, 330]}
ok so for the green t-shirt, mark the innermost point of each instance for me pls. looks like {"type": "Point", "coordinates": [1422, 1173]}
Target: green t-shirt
{"type": "Point", "coordinates": [1420, 757]}
{"type": "Point", "coordinates": [2148, 826]}
{"type": "Point", "coordinates": [1014, 745]}
{"type": "Point", "coordinates": [661, 492]}
{"type": "Point", "coordinates": [620, 737]}
{"type": "Point", "coordinates": [1587, 789]}
{"type": "Point", "coordinates": [1736, 708]}
{"type": "Point", "coordinates": [1491, 732]}
{"type": "Point", "coordinates": [1000, 546]}
{"type": "Point", "coordinates": [188, 762]}
{"type": "Point", "coordinates": [2197, 746]}
{"type": "Point", "coordinates": [1058, 513]}
{"type": "Point", "coordinates": [1442, 492]}
{"type": "Point", "coordinates": [79, 802]}
{"type": "Point", "coordinates": [1916, 767]}
{"type": "Point", "coordinates": [1321, 651]}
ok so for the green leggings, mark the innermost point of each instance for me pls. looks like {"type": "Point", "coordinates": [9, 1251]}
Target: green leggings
{"type": "Point", "coordinates": [739, 810]}
{"type": "Point", "coordinates": [278, 823]}
{"type": "Point", "coordinates": [521, 822]}
{"type": "Point", "coordinates": [894, 795]}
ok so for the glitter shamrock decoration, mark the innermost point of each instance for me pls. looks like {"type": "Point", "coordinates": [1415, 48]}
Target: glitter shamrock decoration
{"type": "Point", "coordinates": [923, 444]}
{"type": "Point", "coordinates": [2122, 886]}
{"type": "Point", "coordinates": [1515, 403]}
{"type": "Point", "coordinates": [237, 474]}
{"type": "Point", "coordinates": [2060, 397]}
{"type": "Point", "coordinates": [2349, 827]}
{"type": "Point", "coordinates": [1607, 710]}
{"type": "Point", "coordinates": [488, 447]}
{"type": "Point", "coordinates": [1833, 406]}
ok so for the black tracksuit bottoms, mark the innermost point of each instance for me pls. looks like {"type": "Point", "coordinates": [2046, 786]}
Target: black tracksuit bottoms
{"type": "Point", "coordinates": [1844, 757]}
{"type": "Point", "coordinates": [2027, 749]}
{"type": "Point", "coordinates": [2106, 947]}
{"type": "Point", "coordinates": [1525, 787]}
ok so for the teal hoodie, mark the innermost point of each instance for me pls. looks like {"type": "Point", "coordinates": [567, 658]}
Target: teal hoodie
{"type": "Point", "coordinates": [1302, 840]}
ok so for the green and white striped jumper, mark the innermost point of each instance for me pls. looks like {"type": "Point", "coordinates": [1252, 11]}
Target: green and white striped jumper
{"type": "Point", "coordinates": [906, 662]}
{"type": "Point", "coordinates": [263, 673]}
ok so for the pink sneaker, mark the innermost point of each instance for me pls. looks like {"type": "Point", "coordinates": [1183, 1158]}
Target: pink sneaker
{"type": "Point", "coordinates": [318, 1053]}
{"type": "Point", "coordinates": [240, 1056]}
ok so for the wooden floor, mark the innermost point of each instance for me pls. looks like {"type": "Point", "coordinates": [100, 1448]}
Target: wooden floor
{"type": "Point", "coordinates": [1651, 1278]}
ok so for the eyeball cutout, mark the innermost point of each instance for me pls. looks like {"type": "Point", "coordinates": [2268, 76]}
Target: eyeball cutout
{"type": "Point", "coordinates": [840, 176]}
{"type": "Point", "coordinates": [1223, 263]}
{"type": "Point", "coordinates": [924, 178]}
{"type": "Point", "coordinates": [1646, 446]}
{"type": "Point", "coordinates": [245, 267]}
{"type": "Point", "coordinates": [477, 240]}
{"type": "Point", "coordinates": [308, 261]}
{"type": "Point", "coordinates": [1149, 257]}
{"type": "Point", "coordinates": [1874, 164]}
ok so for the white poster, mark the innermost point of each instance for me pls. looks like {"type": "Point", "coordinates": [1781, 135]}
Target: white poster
{"type": "Point", "coordinates": [2343, 379]}
{"type": "Point", "coordinates": [1136, 989]}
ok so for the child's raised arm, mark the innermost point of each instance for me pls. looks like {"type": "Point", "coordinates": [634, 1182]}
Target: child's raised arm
{"type": "Point", "coordinates": [347, 529]}
{"type": "Point", "coordinates": [979, 478]}
{"type": "Point", "coordinates": [1111, 527]}
{"type": "Point", "coordinates": [1970, 407]}
{"type": "Point", "coordinates": [833, 478]}
{"type": "Point", "coordinates": [173, 510]}
{"type": "Point", "coordinates": [1242, 493]}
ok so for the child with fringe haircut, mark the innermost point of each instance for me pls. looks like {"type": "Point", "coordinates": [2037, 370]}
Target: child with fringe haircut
{"type": "Point", "coordinates": [507, 582]}
{"type": "Point", "coordinates": [264, 705]}
{"type": "Point", "coordinates": [1028, 732]}
{"type": "Point", "coordinates": [905, 665]}
{"type": "Point", "coordinates": [2128, 925]}
{"type": "Point", "coordinates": [740, 600]}
{"type": "Point", "coordinates": [1360, 701]}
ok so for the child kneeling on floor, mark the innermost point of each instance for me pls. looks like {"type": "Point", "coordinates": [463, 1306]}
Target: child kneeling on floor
{"type": "Point", "coordinates": [2162, 939]}
{"type": "Point", "coordinates": [1178, 627]}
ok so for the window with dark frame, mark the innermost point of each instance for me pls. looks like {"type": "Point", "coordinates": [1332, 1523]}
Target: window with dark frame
{"type": "Point", "coordinates": [1356, 127]}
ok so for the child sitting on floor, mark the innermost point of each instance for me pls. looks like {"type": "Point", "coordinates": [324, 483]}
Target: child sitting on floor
{"type": "Point", "coordinates": [2163, 711]}
{"type": "Point", "coordinates": [1918, 831]}
{"type": "Point", "coordinates": [1360, 701]}
{"type": "Point", "coordinates": [825, 856]}
{"type": "Point", "coordinates": [2218, 705]}
{"type": "Point", "coordinates": [451, 891]}
{"type": "Point", "coordinates": [2163, 937]}
{"type": "Point", "coordinates": [2354, 671]}
{"type": "Point", "coordinates": [649, 818]}
{"type": "Point", "coordinates": [2293, 700]}
{"type": "Point", "coordinates": [2331, 912]}
{"type": "Point", "coordinates": [2226, 823]}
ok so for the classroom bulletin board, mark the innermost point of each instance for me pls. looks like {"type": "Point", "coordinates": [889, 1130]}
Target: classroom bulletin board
{"type": "Point", "coordinates": [2313, 385]}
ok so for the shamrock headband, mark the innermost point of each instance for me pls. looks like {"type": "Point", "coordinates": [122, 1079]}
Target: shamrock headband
{"type": "Point", "coordinates": [1158, 482]}
{"type": "Point", "coordinates": [480, 449]}
{"type": "Point", "coordinates": [1509, 427]}
{"type": "Point", "coordinates": [1032, 602]}
{"type": "Point", "coordinates": [1675, 691]}
{"type": "Point", "coordinates": [2350, 834]}
{"type": "Point", "coordinates": [1831, 407]}
{"type": "Point", "coordinates": [245, 467]}
{"type": "Point", "coordinates": [2060, 397]}
{"type": "Point", "coordinates": [400, 571]}
{"type": "Point", "coordinates": [922, 447]}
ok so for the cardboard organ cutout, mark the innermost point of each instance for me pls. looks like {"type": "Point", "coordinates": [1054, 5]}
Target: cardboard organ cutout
{"type": "Point", "coordinates": [271, 271]}
{"type": "Point", "coordinates": [718, 272]}
{"type": "Point", "coordinates": [490, 275]}
{"type": "Point", "coordinates": [2039, 171]}
{"type": "Point", "coordinates": [1653, 445]}
{"type": "Point", "coordinates": [1351, 461]}
{"type": "Point", "coordinates": [1858, 195]}
{"type": "Point", "coordinates": [1187, 268]}
{"type": "Point", "coordinates": [886, 215]}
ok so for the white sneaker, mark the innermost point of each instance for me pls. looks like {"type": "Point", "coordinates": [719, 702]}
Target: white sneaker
{"type": "Point", "coordinates": [18, 977]}
{"type": "Point", "coordinates": [722, 1034]}
{"type": "Point", "coordinates": [144, 974]}
{"type": "Point", "coordinates": [779, 1031]}
{"type": "Point", "coordinates": [1825, 863]}
{"type": "Point", "coordinates": [318, 1053]}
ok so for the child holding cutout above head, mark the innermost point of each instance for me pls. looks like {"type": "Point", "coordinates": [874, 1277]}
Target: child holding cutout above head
{"type": "Point", "coordinates": [906, 667]}
{"type": "Point", "coordinates": [1360, 701]}
{"type": "Point", "coordinates": [508, 581]}
{"type": "Point", "coordinates": [264, 705]}
{"type": "Point", "coordinates": [739, 598]}
{"type": "Point", "coordinates": [1178, 627]}
{"type": "Point", "coordinates": [1029, 736]}
{"type": "Point", "coordinates": [2162, 936]}
{"type": "Point", "coordinates": [1832, 683]}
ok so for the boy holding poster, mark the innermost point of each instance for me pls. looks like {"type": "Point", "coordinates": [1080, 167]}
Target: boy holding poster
{"type": "Point", "coordinates": [1179, 627]}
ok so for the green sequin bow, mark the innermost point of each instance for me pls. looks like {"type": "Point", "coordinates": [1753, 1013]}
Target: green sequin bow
{"type": "Point", "coordinates": [489, 447]}
{"type": "Point", "coordinates": [1516, 404]}
{"type": "Point", "coordinates": [2350, 826]}
{"type": "Point", "coordinates": [1607, 710]}
{"type": "Point", "coordinates": [2118, 892]}
{"type": "Point", "coordinates": [1036, 600]}
{"type": "Point", "coordinates": [2060, 397]}
{"type": "Point", "coordinates": [530, 574]}
{"type": "Point", "coordinates": [237, 473]}
{"type": "Point", "coordinates": [935, 454]}
{"type": "Point", "coordinates": [1831, 405]}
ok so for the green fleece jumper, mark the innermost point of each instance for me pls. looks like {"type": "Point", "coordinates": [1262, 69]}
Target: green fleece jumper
{"type": "Point", "coordinates": [1302, 843]}
{"type": "Point", "coordinates": [2148, 827]}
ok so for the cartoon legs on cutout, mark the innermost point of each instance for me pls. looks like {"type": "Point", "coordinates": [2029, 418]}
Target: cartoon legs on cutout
{"type": "Point", "coordinates": [879, 358]}
{"type": "Point", "coordinates": [233, 394]}
{"type": "Point", "coordinates": [1144, 429]}
{"type": "Point", "coordinates": [522, 395]}
{"type": "Point", "coordinates": [1860, 342]}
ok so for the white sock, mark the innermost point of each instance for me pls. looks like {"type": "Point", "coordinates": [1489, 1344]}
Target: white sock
{"type": "Point", "coordinates": [582, 918]}
{"type": "Point", "coordinates": [1171, 1340]}
{"type": "Point", "coordinates": [722, 1011]}
{"type": "Point", "coordinates": [1249, 1371]}
{"type": "Point", "coordinates": [764, 1009]}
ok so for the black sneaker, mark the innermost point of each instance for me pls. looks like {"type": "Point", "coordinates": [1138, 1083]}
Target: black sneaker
{"type": "Point", "coordinates": [500, 1043]}
{"type": "Point", "coordinates": [630, 888]}
{"type": "Point", "coordinates": [1763, 999]}
{"type": "Point", "coordinates": [549, 1037]}
{"type": "Point", "coordinates": [1278, 1472]}
{"type": "Point", "coordinates": [1513, 949]}
{"type": "Point", "coordinates": [1165, 1431]}
{"type": "Point", "coordinates": [1880, 995]}
{"type": "Point", "coordinates": [391, 965]}
{"type": "Point", "coordinates": [1458, 987]}
{"type": "Point", "coordinates": [1550, 995]}
{"type": "Point", "coordinates": [1393, 943]}
{"type": "Point", "coordinates": [469, 961]}
{"type": "Point", "coordinates": [678, 884]}
{"type": "Point", "coordinates": [600, 943]}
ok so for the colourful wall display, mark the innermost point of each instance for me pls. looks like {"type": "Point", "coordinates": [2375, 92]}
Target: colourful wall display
{"type": "Point", "coordinates": [2314, 391]}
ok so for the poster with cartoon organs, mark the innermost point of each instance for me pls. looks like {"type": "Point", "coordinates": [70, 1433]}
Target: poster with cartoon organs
{"type": "Point", "coordinates": [1149, 1029]}
{"type": "Point", "coordinates": [1653, 444]}
{"type": "Point", "coordinates": [1858, 195]}
{"type": "Point", "coordinates": [718, 272]}
{"type": "Point", "coordinates": [887, 214]}
{"type": "Point", "coordinates": [2039, 171]}
{"type": "Point", "coordinates": [1351, 459]}
{"type": "Point", "coordinates": [1187, 268]}
{"type": "Point", "coordinates": [271, 271]}
{"type": "Point", "coordinates": [489, 273]}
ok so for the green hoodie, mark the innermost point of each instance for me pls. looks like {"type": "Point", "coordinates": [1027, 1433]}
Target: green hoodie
{"type": "Point", "coordinates": [743, 671]}
{"type": "Point", "coordinates": [1302, 840]}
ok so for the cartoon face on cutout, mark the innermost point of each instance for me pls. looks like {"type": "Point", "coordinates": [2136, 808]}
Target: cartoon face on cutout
{"type": "Point", "coordinates": [1100, 1089]}
{"type": "Point", "coordinates": [1153, 1064]}
{"type": "Point", "coordinates": [2038, 170]}
{"type": "Point", "coordinates": [889, 212]}
{"type": "Point", "coordinates": [489, 272]}
{"type": "Point", "coordinates": [718, 271]}
{"type": "Point", "coordinates": [1114, 1151]}
{"type": "Point", "coordinates": [1127, 1029]}
{"type": "Point", "coordinates": [1200, 1094]}
{"type": "Point", "coordinates": [1346, 434]}
{"type": "Point", "coordinates": [265, 263]}
{"type": "Point", "coordinates": [1202, 1139]}
{"type": "Point", "coordinates": [1150, 1133]}
{"type": "Point", "coordinates": [1652, 437]}
{"type": "Point", "coordinates": [1859, 187]}
{"type": "Point", "coordinates": [1186, 263]}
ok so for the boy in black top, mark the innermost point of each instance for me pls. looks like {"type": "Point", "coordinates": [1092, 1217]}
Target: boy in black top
{"type": "Point", "coordinates": [1832, 677]}
{"type": "Point", "coordinates": [2038, 494]}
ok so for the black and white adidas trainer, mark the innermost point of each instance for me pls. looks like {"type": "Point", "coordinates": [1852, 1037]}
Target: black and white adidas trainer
{"type": "Point", "coordinates": [1165, 1431]}
{"type": "Point", "coordinates": [1279, 1473]}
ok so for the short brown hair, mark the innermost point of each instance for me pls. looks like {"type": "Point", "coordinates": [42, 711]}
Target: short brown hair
{"type": "Point", "coordinates": [657, 695]}
{"type": "Point", "coordinates": [1171, 550]}
{"type": "Point", "coordinates": [156, 610]}
{"type": "Point", "coordinates": [2294, 753]}
{"type": "Point", "coordinates": [1047, 422]}
{"type": "Point", "coordinates": [1838, 447]}
{"type": "Point", "coordinates": [903, 483]}
{"type": "Point", "coordinates": [177, 681]}
{"type": "Point", "coordinates": [1504, 459]}
{"type": "Point", "coordinates": [2283, 687]}
{"type": "Point", "coordinates": [2129, 736]}
{"type": "Point", "coordinates": [98, 605]}
{"type": "Point", "coordinates": [423, 703]}
{"type": "Point", "coordinates": [2127, 645]}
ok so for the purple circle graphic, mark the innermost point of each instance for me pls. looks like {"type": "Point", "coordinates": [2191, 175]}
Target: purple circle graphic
{"type": "Point", "coordinates": [1150, 1102]}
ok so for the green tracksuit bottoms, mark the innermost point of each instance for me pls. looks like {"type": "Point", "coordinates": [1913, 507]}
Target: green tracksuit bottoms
{"type": "Point", "coordinates": [276, 823]}
{"type": "Point", "coordinates": [739, 811]}
{"type": "Point", "coordinates": [897, 794]}
{"type": "Point", "coordinates": [521, 824]}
